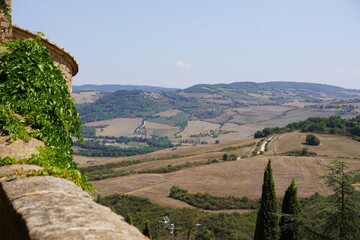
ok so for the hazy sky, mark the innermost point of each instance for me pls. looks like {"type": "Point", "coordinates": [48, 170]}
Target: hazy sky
{"type": "Point", "coordinates": [179, 43]}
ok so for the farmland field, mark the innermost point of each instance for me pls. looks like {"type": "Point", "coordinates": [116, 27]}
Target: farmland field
{"type": "Point", "coordinates": [116, 127]}
{"type": "Point", "coordinates": [158, 129]}
{"type": "Point", "coordinates": [168, 113]}
{"type": "Point", "coordinates": [331, 145]}
{"type": "Point", "coordinates": [85, 97]}
{"type": "Point", "coordinates": [197, 127]}
{"type": "Point", "coordinates": [242, 177]}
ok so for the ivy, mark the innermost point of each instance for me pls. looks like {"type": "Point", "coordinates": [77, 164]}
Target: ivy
{"type": "Point", "coordinates": [35, 103]}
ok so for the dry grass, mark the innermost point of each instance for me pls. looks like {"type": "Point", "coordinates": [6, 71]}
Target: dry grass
{"type": "Point", "coordinates": [197, 127]}
{"type": "Point", "coordinates": [241, 178]}
{"type": "Point", "coordinates": [251, 115]}
{"type": "Point", "coordinates": [168, 113]}
{"type": "Point", "coordinates": [85, 97]}
{"type": "Point", "coordinates": [179, 152]}
{"type": "Point", "coordinates": [295, 116]}
{"type": "Point", "coordinates": [333, 146]}
{"type": "Point", "coordinates": [117, 127]}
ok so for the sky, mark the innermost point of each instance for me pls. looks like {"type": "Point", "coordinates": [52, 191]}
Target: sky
{"type": "Point", "coordinates": [180, 43]}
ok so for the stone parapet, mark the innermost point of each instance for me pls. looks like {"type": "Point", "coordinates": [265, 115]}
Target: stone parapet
{"type": "Point", "coordinates": [45, 207]}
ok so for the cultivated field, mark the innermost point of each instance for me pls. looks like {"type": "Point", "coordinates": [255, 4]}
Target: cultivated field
{"type": "Point", "coordinates": [197, 127]}
{"type": "Point", "coordinates": [159, 129]}
{"type": "Point", "coordinates": [257, 114]}
{"type": "Point", "coordinates": [242, 177]}
{"type": "Point", "coordinates": [295, 116]}
{"type": "Point", "coordinates": [85, 97]}
{"type": "Point", "coordinates": [168, 113]}
{"type": "Point", "coordinates": [333, 146]}
{"type": "Point", "coordinates": [116, 127]}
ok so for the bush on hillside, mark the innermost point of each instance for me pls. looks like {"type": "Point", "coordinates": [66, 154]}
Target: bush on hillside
{"type": "Point", "coordinates": [312, 140]}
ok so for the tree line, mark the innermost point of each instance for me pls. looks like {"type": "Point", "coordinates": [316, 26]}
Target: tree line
{"type": "Point", "coordinates": [330, 125]}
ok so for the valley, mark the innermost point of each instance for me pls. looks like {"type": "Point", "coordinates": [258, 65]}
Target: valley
{"type": "Point", "coordinates": [214, 142]}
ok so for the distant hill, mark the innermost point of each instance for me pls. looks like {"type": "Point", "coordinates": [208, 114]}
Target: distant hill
{"type": "Point", "coordinates": [135, 103]}
{"type": "Point", "coordinates": [274, 91]}
{"type": "Point", "coordinates": [116, 87]}
{"type": "Point", "coordinates": [205, 101]}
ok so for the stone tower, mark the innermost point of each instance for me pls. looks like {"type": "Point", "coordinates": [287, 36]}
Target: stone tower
{"type": "Point", "coordinates": [65, 61]}
{"type": "Point", "coordinates": [5, 21]}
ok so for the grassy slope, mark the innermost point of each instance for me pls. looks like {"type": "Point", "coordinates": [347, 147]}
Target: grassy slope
{"type": "Point", "coordinates": [242, 177]}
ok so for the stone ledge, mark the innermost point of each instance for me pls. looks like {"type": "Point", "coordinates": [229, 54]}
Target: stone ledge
{"type": "Point", "coordinates": [46, 207]}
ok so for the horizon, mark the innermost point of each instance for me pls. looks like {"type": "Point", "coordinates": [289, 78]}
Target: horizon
{"type": "Point", "coordinates": [205, 84]}
{"type": "Point", "coordinates": [181, 44]}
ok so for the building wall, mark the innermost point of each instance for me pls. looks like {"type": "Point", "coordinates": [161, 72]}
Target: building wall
{"type": "Point", "coordinates": [5, 30]}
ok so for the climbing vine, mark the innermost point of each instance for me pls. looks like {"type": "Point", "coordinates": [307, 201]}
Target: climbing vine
{"type": "Point", "coordinates": [35, 103]}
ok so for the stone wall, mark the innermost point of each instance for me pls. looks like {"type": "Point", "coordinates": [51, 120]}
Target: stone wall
{"type": "Point", "coordinates": [5, 28]}
{"type": "Point", "coordinates": [51, 208]}
{"type": "Point", "coordinates": [46, 207]}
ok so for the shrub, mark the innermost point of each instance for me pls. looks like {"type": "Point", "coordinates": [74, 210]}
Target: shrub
{"type": "Point", "coordinates": [312, 140]}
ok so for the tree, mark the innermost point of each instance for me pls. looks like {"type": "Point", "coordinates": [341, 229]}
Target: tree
{"type": "Point", "coordinates": [225, 157]}
{"type": "Point", "coordinates": [147, 230]}
{"type": "Point", "coordinates": [267, 221]}
{"type": "Point", "coordinates": [290, 211]}
{"type": "Point", "coordinates": [343, 208]}
{"type": "Point", "coordinates": [336, 217]}
{"type": "Point", "coordinates": [312, 140]}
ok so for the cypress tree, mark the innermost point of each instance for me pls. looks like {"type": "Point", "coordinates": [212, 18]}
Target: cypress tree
{"type": "Point", "coordinates": [147, 230]}
{"type": "Point", "coordinates": [290, 211]}
{"type": "Point", "coordinates": [267, 221]}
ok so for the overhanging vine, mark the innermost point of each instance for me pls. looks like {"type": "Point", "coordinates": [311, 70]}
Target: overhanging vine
{"type": "Point", "coordinates": [35, 103]}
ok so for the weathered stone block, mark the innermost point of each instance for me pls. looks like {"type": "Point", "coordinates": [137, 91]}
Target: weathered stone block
{"type": "Point", "coordinates": [52, 208]}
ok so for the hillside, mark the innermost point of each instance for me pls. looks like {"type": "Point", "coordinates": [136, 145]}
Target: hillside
{"type": "Point", "coordinates": [274, 92]}
{"type": "Point", "coordinates": [205, 114]}
{"type": "Point", "coordinates": [116, 87]}
{"type": "Point", "coordinates": [242, 177]}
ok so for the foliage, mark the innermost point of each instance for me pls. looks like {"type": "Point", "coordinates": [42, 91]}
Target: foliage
{"type": "Point", "coordinates": [337, 216]}
{"type": "Point", "coordinates": [330, 125]}
{"type": "Point", "coordinates": [129, 219]}
{"type": "Point", "coordinates": [342, 221]}
{"type": "Point", "coordinates": [136, 103]}
{"type": "Point", "coordinates": [212, 202]}
{"type": "Point", "coordinates": [171, 168]}
{"type": "Point", "coordinates": [303, 152]}
{"type": "Point", "coordinates": [180, 120]}
{"type": "Point", "coordinates": [306, 91]}
{"type": "Point", "coordinates": [312, 140]}
{"type": "Point", "coordinates": [216, 226]}
{"type": "Point", "coordinates": [96, 149]}
{"type": "Point", "coordinates": [36, 103]}
{"type": "Point", "coordinates": [88, 132]}
{"type": "Point", "coordinates": [99, 172]}
{"type": "Point", "coordinates": [290, 210]}
{"type": "Point", "coordinates": [147, 230]}
{"type": "Point", "coordinates": [267, 221]}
